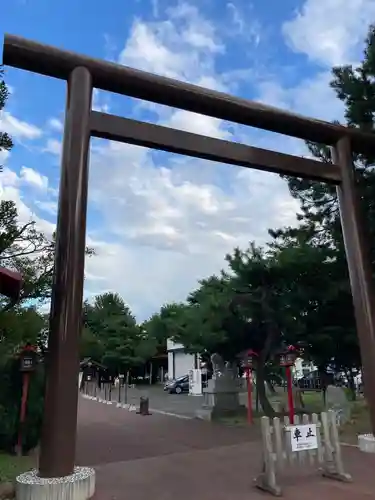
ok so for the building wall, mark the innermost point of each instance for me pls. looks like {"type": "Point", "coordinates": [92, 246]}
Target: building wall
{"type": "Point", "coordinates": [171, 346]}
{"type": "Point", "coordinates": [180, 363]}
{"type": "Point", "coordinates": [302, 367]}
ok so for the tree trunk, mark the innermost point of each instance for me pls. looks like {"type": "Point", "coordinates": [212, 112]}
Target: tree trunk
{"type": "Point", "coordinates": [261, 387]}
{"type": "Point", "coordinates": [270, 386]}
{"type": "Point", "coordinates": [351, 384]}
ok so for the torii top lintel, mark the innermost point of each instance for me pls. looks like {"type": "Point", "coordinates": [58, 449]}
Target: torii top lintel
{"type": "Point", "coordinates": [51, 61]}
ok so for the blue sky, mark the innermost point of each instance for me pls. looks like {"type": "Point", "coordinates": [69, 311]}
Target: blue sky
{"type": "Point", "coordinates": [160, 222]}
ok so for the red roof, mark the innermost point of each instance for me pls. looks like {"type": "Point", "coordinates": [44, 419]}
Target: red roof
{"type": "Point", "coordinates": [10, 283]}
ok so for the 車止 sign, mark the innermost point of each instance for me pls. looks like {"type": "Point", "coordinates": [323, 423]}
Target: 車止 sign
{"type": "Point", "coordinates": [303, 437]}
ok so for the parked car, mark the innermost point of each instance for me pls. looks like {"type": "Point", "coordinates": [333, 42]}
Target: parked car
{"type": "Point", "coordinates": [178, 386]}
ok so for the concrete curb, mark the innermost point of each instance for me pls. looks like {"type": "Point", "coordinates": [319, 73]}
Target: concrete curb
{"type": "Point", "coordinates": [131, 407]}
{"type": "Point", "coordinates": [170, 414]}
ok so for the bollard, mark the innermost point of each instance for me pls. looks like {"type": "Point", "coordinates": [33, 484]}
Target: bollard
{"type": "Point", "coordinates": [143, 406]}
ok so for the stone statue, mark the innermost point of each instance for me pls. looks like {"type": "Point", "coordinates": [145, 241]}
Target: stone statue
{"type": "Point", "coordinates": [218, 365]}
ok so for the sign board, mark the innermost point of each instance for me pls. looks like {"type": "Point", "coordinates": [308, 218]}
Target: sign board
{"type": "Point", "coordinates": [303, 437]}
{"type": "Point", "coordinates": [195, 382]}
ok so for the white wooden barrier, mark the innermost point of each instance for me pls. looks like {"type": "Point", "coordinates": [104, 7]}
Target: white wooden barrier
{"type": "Point", "coordinates": [321, 450]}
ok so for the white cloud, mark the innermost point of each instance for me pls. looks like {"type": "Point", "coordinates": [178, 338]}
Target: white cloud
{"type": "Point", "coordinates": [159, 222]}
{"type": "Point", "coordinates": [4, 155]}
{"type": "Point", "coordinates": [11, 190]}
{"type": "Point", "coordinates": [49, 207]}
{"type": "Point", "coordinates": [33, 178]}
{"type": "Point", "coordinates": [170, 220]}
{"type": "Point", "coordinates": [199, 124]}
{"type": "Point", "coordinates": [311, 97]}
{"type": "Point", "coordinates": [174, 224]}
{"type": "Point", "coordinates": [244, 24]}
{"type": "Point", "coordinates": [181, 46]}
{"type": "Point", "coordinates": [330, 32]}
{"type": "Point", "coordinates": [18, 129]}
{"type": "Point", "coordinates": [99, 101]}
{"type": "Point", "coordinates": [55, 124]}
{"type": "Point", "coordinates": [53, 146]}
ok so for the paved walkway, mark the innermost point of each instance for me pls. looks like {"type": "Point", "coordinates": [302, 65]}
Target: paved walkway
{"type": "Point", "coordinates": [161, 401]}
{"type": "Point", "coordinates": [166, 458]}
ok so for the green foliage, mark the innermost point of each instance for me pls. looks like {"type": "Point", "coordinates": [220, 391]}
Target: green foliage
{"type": "Point", "coordinates": [330, 326]}
{"type": "Point", "coordinates": [295, 289]}
{"type": "Point", "coordinates": [6, 142]}
{"type": "Point", "coordinates": [112, 336]}
{"type": "Point", "coordinates": [24, 248]}
{"type": "Point", "coordinates": [12, 466]}
{"type": "Point", "coordinates": [10, 399]}
{"type": "Point", "coordinates": [18, 327]}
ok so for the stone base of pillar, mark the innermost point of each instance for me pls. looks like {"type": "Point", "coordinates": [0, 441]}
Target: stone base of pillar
{"type": "Point", "coordinates": [366, 443]}
{"type": "Point", "coordinates": [78, 486]}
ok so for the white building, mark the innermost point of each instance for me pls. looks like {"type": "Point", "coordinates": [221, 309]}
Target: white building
{"type": "Point", "coordinates": [179, 361]}
{"type": "Point", "coordinates": [302, 368]}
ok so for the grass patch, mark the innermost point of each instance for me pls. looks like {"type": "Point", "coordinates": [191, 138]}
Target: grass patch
{"type": "Point", "coordinates": [313, 401]}
{"type": "Point", "coordinates": [359, 422]}
{"type": "Point", "coordinates": [239, 420]}
{"type": "Point", "coordinates": [11, 466]}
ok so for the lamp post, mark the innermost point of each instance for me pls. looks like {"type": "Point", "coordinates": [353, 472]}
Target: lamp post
{"type": "Point", "coordinates": [89, 386]}
{"type": "Point", "coordinates": [27, 366]}
{"type": "Point", "coordinates": [248, 363]}
{"type": "Point", "coordinates": [287, 359]}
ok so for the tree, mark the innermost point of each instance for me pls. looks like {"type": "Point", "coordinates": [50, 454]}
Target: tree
{"type": "Point", "coordinates": [333, 324]}
{"type": "Point", "coordinates": [19, 326]}
{"type": "Point", "coordinates": [117, 339]}
{"type": "Point", "coordinates": [90, 345]}
{"type": "Point", "coordinates": [23, 247]}
{"type": "Point", "coordinates": [269, 296]}
{"type": "Point", "coordinates": [6, 142]}
{"type": "Point", "coordinates": [245, 308]}
{"type": "Point", "coordinates": [27, 250]}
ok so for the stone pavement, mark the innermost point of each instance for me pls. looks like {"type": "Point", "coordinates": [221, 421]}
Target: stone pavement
{"type": "Point", "coordinates": [163, 457]}
{"type": "Point", "coordinates": [161, 401]}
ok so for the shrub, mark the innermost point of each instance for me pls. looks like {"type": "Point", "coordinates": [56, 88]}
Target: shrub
{"type": "Point", "coordinates": [10, 403]}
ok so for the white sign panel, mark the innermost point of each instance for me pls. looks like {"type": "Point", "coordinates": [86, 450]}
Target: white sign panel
{"type": "Point", "coordinates": [303, 437]}
{"type": "Point", "coordinates": [195, 382]}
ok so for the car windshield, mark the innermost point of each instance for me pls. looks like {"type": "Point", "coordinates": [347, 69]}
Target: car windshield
{"type": "Point", "coordinates": [180, 379]}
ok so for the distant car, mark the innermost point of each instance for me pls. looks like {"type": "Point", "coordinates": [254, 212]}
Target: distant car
{"type": "Point", "coordinates": [178, 386]}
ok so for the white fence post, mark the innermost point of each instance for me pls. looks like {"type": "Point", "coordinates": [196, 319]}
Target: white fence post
{"type": "Point", "coordinates": [267, 479]}
{"type": "Point", "coordinates": [277, 449]}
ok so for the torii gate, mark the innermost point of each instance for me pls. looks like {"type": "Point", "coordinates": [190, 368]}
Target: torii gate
{"type": "Point", "coordinates": [81, 122]}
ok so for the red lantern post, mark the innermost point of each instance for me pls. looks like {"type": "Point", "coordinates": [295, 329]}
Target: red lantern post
{"type": "Point", "coordinates": [287, 359]}
{"type": "Point", "coordinates": [248, 364]}
{"type": "Point", "coordinates": [27, 360]}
